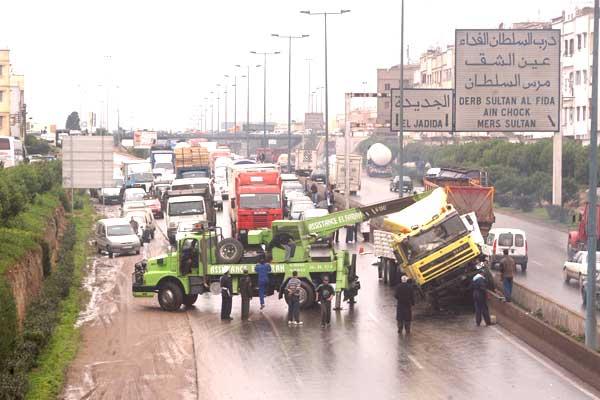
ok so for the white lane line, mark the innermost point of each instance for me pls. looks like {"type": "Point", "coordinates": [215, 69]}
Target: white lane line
{"type": "Point", "coordinates": [373, 317]}
{"type": "Point", "coordinates": [537, 263]}
{"type": "Point", "coordinates": [414, 360]}
{"type": "Point", "coordinates": [546, 364]}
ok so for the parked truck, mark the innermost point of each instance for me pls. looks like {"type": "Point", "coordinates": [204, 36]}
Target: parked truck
{"type": "Point", "coordinates": [201, 257]}
{"type": "Point", "coordinates": [578, 240]}
{"type": "Point", "coordinates": [432, 244]}
{"type": "Point", "coordinates": [306, 161]}
{"type": "Point", "coordinates": [162, 160]}
{"type": "Point", "coordinates": [188, 206]}
{"type": "Point", "coordinates": [338, 173]}
{"type": "Point", "coordinates": [192, 162]}
{"type": "Point", "coordinates": [255, 200]}
{"type": "Point", "coordinates": [137, 173]}
{"type": "Point", "coordinates": [379, 159]}
{"type": "Point", "coordinates": [467, 191]}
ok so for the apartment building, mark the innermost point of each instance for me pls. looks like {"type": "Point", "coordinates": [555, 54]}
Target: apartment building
{"type": "Point", "coordinates": [387, 79]}
{"type": "Point", "coordinates": [4, 93]}
{"type": "Point", "coordinates": [576, 28]}
{"type": "Point", "coordinates": [17, 105]}
{"type": "Point", "coordinates": [436, 69]}
{"type": "Point", "coordinates": [12, 98]}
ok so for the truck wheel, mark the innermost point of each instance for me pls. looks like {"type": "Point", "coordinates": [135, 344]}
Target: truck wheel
{"type": "Point", "coordinates": [170, 296]}
{"type": "Point", "coordinates": [307, 294]}
{"type": "Point", "coordinates": [229, 251]}
{"type": "Point", "coordinates": [190, 299]}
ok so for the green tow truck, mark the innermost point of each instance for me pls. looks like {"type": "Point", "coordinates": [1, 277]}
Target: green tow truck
{"type": "Point", "coordinates": [201, 258]}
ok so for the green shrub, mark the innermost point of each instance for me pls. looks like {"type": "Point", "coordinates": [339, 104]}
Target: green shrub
{"type": "Point", "coordinates": [524, 203]}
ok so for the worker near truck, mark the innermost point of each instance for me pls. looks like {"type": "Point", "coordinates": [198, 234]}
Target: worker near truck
{"type": "Point", "coordinates": [314, 193]}
{"type": "Point", "coordinates": [134, 225]}
{"type": "Point", "coordinates": [324, 294]}
{"type": "Point", "coordinates": [284, 241]}
{"type": "Point", "coordinates": [405, 296]}
{"type": "Point", "coordinates": [293, 292]}
{"type": "Point", "coordinates": [226, 292]}
{"type": "Point", "coordinates": [508, 268]}
{"type": "Point", "coordinates": [262, 269]}
{"type": "Point", "coordinates": [479, 286]}
{"type": "Point", "coordinates": [246, 293]}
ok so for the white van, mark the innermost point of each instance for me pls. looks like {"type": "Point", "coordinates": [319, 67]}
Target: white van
{"type": "Point", "coordinates": [514, 240]}
{"type": "Point", "coordinates": [12, 152]}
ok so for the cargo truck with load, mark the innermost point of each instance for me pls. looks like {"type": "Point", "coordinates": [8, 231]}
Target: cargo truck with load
{"type": "Point", "coordinates": [162, 160]}
{"type": "Point", "coordinates": [137, 173]}
{"type": "Point", "coordinates": [192, 162]}
{"type": "Point", "coordinates": [337, 173]}
{"type": "Point", "coordinates": [201, 258]}
{"type": "Point", "coordinates": [467, 191]}
{"type": "Point", "coordinates": [306, 162]}
{"type": "Point", "coordinates": [379, 159]}
{"type": "Point", "coordinates": [255, 200]}
{"type": "Point", "coordinates": [432, 244]}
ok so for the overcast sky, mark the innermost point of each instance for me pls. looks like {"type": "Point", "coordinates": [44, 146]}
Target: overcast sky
{"type": "Point", "coordinates": [167, 56]}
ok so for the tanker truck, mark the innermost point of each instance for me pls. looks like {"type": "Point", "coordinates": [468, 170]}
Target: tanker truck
{"type": "Point", "coordinates": [379, 161]}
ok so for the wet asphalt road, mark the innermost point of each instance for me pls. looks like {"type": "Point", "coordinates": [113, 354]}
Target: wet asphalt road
{"type": "Point", "coordinates": [131, 349]}
{"type": "Point", "coordinates": [547, 247]}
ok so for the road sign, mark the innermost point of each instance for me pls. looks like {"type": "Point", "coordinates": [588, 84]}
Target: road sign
{"type": "Point", "coordinates": [507, 80]}
{"type": "Point", "coordinates": [87, 162]}
{"type": "Point", "coordinates": [313, 121]}
{"type": "Point", "coordinates": [144, 139]}
{"type": "Point", "coordinates": [425, 110]}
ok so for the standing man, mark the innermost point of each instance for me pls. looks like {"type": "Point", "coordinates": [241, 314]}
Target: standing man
{"type": "Point", "coordinates": [226, 292]}
{"type": "Point", "coordinates": [314, 193]}
{"type": "Point", "coordinates": [246, 293]}
{"type": "Point", "coordinates": [324, 294]}
{"type": "Point", "coordinates": [262, 270]}
{"type": "Point", "coordinates": [293, 292]}
{"type": "Point", "coordinates": [479, 285]}
{"type": "Point", "coordinates": [406, 299]}
{"type": "Point", "coordinates": [365, 229]}
{"type": "Point", "coordinates": [508, 268]}
{"type": "Point", "coordinates": [330, 199]}
{"type": "Point", "coordinates": [134, 225]}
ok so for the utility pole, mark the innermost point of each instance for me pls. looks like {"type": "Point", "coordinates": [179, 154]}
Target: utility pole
{"type": "Point", "coordinates": [324, 14]}
{"type": "Point", "coordinates": [265, 54]}
{"type": "Point", "coordinates": [289, 37]}
{"type": "Point", "coordinates": [218, 109]}
{"type": "Point", "coordinates": [401, 114]}
{"type": "Point", "coordinates": [590, 312]}
{"type": "Point", "coordinates": [235, 103]}
{"type": "Point", "coordinates": [308, 61]}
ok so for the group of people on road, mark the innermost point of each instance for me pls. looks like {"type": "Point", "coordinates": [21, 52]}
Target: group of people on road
{"type": "Point", "coordinates": [292, 290]}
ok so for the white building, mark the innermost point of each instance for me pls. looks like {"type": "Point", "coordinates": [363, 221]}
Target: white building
{"type": "Point", "coordinates": [576, 28]}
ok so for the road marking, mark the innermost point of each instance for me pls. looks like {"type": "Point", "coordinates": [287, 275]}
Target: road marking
{"type": "Point", "coordinates": [414, 360]}
{"type": "Point", "coordinates": [545, 364]}
{"type": "Point", "coordinates": [537, 263]}
{"type": "Point", "coordinates": [373, 317]}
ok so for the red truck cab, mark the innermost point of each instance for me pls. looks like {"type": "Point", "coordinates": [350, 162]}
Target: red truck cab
{"type": "Point", "coordinates": [257, 202]}
{"type": "Point", "coordinates": [578, 240]}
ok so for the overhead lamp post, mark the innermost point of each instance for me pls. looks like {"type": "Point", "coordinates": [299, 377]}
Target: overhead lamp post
{"type": "Point", "coordinates": [218, 109]}
{"type": "Point", "coordinates": [265, 54]}
{"type": "Point", "coordinates": [226, 87]}
{"type": "Point", "coordinates": [325, 14]}
{"type": "Point", "coordinates": [212, 113]}
{"type": "Point", "coordinates": [308, 61]}
{"type": "Point", "coordinates": [289, 37]}
{"type": "Point", "coordinates": [401, 112]}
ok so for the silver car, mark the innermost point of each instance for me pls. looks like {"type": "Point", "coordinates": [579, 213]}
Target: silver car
{"type": "Point", "coordinates": [116, 236]}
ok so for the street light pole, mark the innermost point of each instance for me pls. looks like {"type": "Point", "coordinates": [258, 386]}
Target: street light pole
{"type": "Point", "coordinates": [308, 61]}
{"type": "Point", "coordinates": [590, 312]}
{"type": "Point", "coordinates": [265, 54]}
{"type": "Point", "coordinates": [289, 37]}
{"type": "Point", "coordinates": [235, 103]}
{"type": "Point", "coordinates": [324, 14]}
{"type": "Point", "coordinates": [401, 113]}
{"type": "Point", "coordinates": [218, 110]}
{"type": "Point", "coordinates": [212, 113]}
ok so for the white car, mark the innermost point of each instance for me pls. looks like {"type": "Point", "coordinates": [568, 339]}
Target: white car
{"type": "Point", "coordinates": [299, 207]}
{"type": "Point", "coordinates": [577, 269]}
{"type": "Point", "coordinates": [511, 239]}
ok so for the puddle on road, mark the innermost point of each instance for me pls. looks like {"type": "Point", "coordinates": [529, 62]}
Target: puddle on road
{"type": "Point", "coordinates": [100, 282]}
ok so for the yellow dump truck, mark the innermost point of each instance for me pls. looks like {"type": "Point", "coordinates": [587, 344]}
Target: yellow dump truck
{"type": "Point", "coordinates": [431, 243]}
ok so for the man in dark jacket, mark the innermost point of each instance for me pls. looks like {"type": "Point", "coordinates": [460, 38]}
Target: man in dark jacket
{"type": "Point", "coordinates": [479, 285]}
{"type": "Point", "coordinates": [406, 299]}
{"type": "Point", "coordinates": [324, 295]}
{"type": "Point", "coordinates": [226, 292]}
{"type": "Point", "coordinates": [508, 268]}
{"type": "Point", "coordinates": [246, 293]}
{"type": "Point", "coordinates": [314, 193]}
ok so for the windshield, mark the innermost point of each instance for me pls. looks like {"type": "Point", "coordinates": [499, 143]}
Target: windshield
{"type": "Point", "coordinates": [298, 207]}
{"type": "Point", "coordinates": [295, 186]}
{"type": "Point", "coordinates": [4, 144]}
{"type": "Point", "coordinates": [143, 177]}
{"type": "Point", "coordinates": [260, 200]}
{"type": "Point", "coordinates": [186, 208]}
{"type": "Point", "coordinates": [195, 174]}
{"type": "Point", "coordinates": [111, 191]}
{"type": "Point", "coordinates": [134, 196]}
{"type": "Point", "coordinates": [434, 238]}
{"type": "Point", "coordinates": [120, 230]}
{"type": "Point", "coordinates": [164, 165]}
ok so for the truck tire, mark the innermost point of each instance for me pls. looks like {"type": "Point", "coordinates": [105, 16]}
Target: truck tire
{"type": "Point", "coordinates": [307, 294]}
{"type": "Point", "coordinates": [170, 296]}
{"type": "Point", "coordinates": [190, 299]}
{"type": "Point", "coordinates": [229, 251]}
